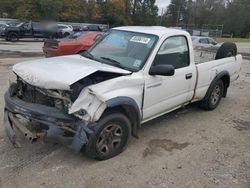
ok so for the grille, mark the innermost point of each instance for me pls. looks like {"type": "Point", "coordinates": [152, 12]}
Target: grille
{"type": "Point", "coordinates": [30, 94]}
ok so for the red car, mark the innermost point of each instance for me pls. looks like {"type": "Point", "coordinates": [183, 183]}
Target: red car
{"type": "Point", "coordinates": [73, 44]}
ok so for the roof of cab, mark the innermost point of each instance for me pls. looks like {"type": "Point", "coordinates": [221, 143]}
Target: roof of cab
{"type": "Point", "coordinates": [155, 30]}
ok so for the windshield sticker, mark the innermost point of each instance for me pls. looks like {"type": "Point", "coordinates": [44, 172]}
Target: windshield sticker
{"type": "Point", "coordinates": [142, 40]}
{"type": "Point", "coordinates": [137, 63]}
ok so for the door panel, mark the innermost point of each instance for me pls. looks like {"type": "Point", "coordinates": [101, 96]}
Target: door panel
{"type": "Point", "coordinates": [163, 93]}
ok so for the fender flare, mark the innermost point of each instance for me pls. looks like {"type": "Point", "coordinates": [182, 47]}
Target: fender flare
{"type": "Point", "coordinates": [226, 82]}
{"type": "Point", "coordinates": [131, 108]}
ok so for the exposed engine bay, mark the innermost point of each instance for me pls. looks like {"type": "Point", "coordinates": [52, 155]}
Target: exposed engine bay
{"type": "Point", "coordinates": [60, 99]}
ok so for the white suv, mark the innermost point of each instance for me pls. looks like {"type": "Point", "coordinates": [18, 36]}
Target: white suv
{"type": "Point", "coordinates": [65, 30]}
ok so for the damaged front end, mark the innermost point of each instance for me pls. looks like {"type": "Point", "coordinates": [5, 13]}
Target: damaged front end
{"type": "Point", "coordinates": [60, 116]}
{"type": "Point", "coordinates": [46, 114]}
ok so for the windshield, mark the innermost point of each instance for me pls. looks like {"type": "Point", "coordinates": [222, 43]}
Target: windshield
{"type": "Point", "coordinates": [127, 50]}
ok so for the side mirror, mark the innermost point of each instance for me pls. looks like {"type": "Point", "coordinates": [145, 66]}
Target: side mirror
{"type": "Point", "coordinates": [163, 70]}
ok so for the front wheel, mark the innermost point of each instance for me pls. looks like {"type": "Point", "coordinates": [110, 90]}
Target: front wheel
{"type": "Point", "coordinates": [214, 96]}
{"type": "Point", "coordinates": [110, 137]}
{"type": "Point", "coordinates": [13, 37]}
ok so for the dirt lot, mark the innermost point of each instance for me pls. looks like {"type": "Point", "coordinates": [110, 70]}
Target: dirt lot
{"type": "Point", "coordinates": [186, 148]}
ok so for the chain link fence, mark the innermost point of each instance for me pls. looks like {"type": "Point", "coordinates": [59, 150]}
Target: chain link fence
{"type": "Point", "coordinates": [206, 30]}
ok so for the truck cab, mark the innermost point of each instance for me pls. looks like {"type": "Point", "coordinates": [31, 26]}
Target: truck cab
{"type": "Point", "coordinates": [27, 30]}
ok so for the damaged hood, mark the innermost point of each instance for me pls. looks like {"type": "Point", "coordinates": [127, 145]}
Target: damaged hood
{"type": "Point", "coordinates": [61, 72]}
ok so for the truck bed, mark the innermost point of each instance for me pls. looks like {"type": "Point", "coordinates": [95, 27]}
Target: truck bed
{"type": "Point", "coordinates": [204, 55]}
{"type": "Point", "coordinates": [207, 71]}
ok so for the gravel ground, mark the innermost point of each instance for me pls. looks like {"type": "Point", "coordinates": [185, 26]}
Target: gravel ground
{"type": "Point", "coordinates": [186, 148]}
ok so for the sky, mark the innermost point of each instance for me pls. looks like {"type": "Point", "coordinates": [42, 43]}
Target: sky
{"type": "Point", "coordinates": [162, 4]}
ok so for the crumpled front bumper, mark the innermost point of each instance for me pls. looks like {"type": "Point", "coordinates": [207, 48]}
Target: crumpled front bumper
{"type": "Point", "coordinates": [57, 125]}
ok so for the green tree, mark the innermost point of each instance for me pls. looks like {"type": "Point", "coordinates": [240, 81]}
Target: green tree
{"type": "Point", "coordinates": [7, 9]}
{"type": "Point", "coordinates": [145, 12]}
{"type": "Point", "coordinates": [73, 10]}
{"type": "Point", "coordinates": [38, 9]}
{"type": "Point", "coordinates": [177, 12]}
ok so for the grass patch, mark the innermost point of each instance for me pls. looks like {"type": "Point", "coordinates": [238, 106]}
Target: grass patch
{"type": "Point", "coordinates": [232, 40]}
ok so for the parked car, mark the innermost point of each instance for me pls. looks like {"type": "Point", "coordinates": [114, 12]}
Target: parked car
{"type": "Point", "coordinates": [96, 100]}
{"type": "Point", "coordinates": [208, 48]}
{"type": "Point", "coordinates": [77, 28]}
{"type": "Point", "coordinates": [200, 41]}
{"type": "Point", "coordinates": [73, 44]}
{"type": "Point", "coordinates": [92, 28]}
{"type": "Point", "coordinates": [27, 30]}
{"type": "Point", "coordinates": [64, 30]}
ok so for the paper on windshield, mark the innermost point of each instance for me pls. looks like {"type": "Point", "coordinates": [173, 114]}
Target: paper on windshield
{"type": "Point", "coordinates": [143, 40]}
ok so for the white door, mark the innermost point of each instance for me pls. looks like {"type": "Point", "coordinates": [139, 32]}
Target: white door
{"type": "Point", "coordinates": [163, 93]}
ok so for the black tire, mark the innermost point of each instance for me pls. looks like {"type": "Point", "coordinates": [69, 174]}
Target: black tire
{"type": "Point", "coordinates": [213, 97]}
{"type": "Point", "coordinates": [13, 37]}
{"type": "Point", "coordinates": [227, 49]}
{"type": "Point", "coordinates": [102, 143]}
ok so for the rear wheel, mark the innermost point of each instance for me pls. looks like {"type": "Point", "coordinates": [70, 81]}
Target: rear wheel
{"type": "Point", "coordinates": [214, 96]}
{"type": "Point", "coordinates": [110, 137]}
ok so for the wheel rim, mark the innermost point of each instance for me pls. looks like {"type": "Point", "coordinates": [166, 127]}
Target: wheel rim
{"type": "Point", "coordinates": [110, 139]}
{"type": "Point", "coordinates": [215, 96]}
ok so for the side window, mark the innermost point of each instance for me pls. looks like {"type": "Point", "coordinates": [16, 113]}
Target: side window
{"type": "Point", "coordinates": [62, 27]}
{"type": "Point", "coordinates": [26, 25]}
{"type": "Point", "coordinates": [203, 41]}
{"type": "Point", "coordinates": [174, 51]}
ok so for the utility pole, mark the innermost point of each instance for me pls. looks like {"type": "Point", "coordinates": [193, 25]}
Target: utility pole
{"type": "Point", "coordinates": [178, 15]}
{"type": "Point", "coordinates": [161, 15]}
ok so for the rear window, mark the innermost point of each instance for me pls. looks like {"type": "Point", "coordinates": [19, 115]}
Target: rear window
{"type": "Point", "coordinates": [62, 27]}
{"type": "Point", "coordinates": [76, 35]}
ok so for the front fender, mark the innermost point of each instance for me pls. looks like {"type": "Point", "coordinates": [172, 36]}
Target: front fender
{"type": "Point", "coordinates": [131, 109]}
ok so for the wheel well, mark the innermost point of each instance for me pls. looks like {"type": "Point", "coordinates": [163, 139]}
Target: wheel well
{"type": "Point", "coordinates": [226, 81]}
{"type": "Point", "coordinates": [129, 112]}
{"type": "Point", "coordinates": [12, 32]}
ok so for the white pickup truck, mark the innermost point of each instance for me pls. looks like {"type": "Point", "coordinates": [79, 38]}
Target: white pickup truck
{"type": "Point", "coordinates": [96, 100]}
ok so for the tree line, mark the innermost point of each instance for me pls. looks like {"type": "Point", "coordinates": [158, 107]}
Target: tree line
{"type": "Point", "coordinates": [112, 12]}
{"type": "Point", "coordinates": [234, 15]}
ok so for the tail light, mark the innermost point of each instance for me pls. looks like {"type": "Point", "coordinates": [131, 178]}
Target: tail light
{"type": "Point", "coordinates": [51, 44]}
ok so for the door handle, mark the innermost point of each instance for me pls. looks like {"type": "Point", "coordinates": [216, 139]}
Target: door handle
{"type": "Point", "coordinates": [188, 76]}
{"type": "Point", "coordinates": [154, 85]}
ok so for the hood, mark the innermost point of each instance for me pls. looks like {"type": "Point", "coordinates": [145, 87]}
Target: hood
{"type": "Point", "coordinates": [61, 72]}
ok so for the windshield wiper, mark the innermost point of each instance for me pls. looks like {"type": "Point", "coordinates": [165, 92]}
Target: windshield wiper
{"type": "Point", "coordinates": [113, 62]}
